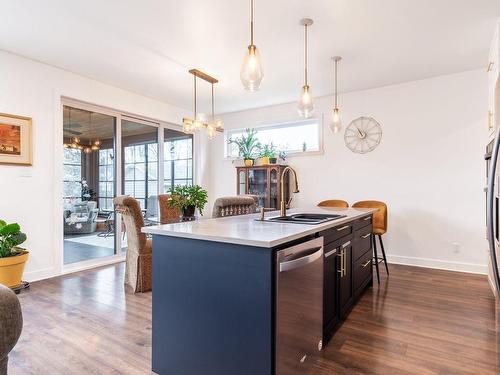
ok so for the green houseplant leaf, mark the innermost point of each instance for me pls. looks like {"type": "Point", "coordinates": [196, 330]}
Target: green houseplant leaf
{"type": "Point", "coordinates": [182, 197]}
{"type": "Point", "coordinates": [10, 237]}
{"type": "Point", "coordinates": [248, 144]}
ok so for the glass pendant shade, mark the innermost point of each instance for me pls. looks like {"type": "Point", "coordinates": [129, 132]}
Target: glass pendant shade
{"type": "Point", "coordinates": [305, 106]}
{"type": "Point", "coordinates": [251, 73]}
{"type": "Point", "coordinates": [336, 121]}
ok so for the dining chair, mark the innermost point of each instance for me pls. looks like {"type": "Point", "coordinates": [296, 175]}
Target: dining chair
{"type": "Point", "coordinates": [334, 203]}
{"type": "Point", "coordinates": [379, 228]}
{"type": "Point", "coordinates": [139, 247]}
{"type": "Point", "coordinates": [168, 214]}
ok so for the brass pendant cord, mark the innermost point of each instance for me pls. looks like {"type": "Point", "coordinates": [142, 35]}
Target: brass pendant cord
{"type": "Point", "coordinates": [194, 96]}
{"type": "Point", "coordinates": [251, 22]}
{"type": "Point", "coordinates": [335, 88]}
{"type": "Point", "coordinates": [213, 112]}
{"type": "Point", "coordinates": [305, 54]}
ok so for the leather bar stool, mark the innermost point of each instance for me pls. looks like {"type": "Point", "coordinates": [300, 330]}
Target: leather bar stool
{"type": "Point", "coordinates": [379, 228]}
{"type": "Point", "coordinates": [333, 203]}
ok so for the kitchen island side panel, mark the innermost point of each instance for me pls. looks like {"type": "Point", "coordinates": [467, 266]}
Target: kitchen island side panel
{"type": "Point", "coordinates": [212, 308]}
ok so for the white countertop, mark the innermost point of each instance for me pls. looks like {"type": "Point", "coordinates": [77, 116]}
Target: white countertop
{"type": "Point", "coordinates": [245, 230]}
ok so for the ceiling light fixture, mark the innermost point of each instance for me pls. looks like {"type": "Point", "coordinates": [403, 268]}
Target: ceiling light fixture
{"type": "Point", "coordinates": [189, 126]}
{"type": "Point", "coordinates": [336, 123]}
{"type": "Point", "coordinates": [305, 106]}
{"type": "Point", "coordinates": [74, 142]}
{"type": "Point", "coordinates": [251, 73]}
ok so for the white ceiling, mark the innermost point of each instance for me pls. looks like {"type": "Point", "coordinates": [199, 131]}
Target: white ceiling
{"type": "Point", "coordinates": [147, 46]}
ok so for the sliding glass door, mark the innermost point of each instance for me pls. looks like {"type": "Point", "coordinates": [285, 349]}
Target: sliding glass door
{"type": "Point", "coordinates": [106, 154]}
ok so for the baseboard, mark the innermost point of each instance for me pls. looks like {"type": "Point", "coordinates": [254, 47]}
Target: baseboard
{"type": "Point", "coordinates": [438, 264]}
{"type": "Point", "coordinates": [38, 275]}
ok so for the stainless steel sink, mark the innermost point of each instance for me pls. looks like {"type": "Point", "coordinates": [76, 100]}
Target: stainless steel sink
{"type": "Point", "coordinates": [304, 218]}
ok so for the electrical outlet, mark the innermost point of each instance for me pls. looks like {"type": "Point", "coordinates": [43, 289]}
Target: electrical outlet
{"type": "Point", "coordinates": [456, 247]}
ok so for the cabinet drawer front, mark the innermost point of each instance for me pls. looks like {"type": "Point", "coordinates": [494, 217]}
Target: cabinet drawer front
{"type": "Point", "coordinates": [362, 240]}
{"type": "Point", "coordinates": [362, 270]}
{"type": "Point", "coordinates": [331, 235]}
{"type": "Point", "coordinates": [363, 222]}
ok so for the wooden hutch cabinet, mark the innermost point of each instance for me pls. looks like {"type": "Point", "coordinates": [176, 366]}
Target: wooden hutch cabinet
{"type": "Point", "coordinates": [263, 181]}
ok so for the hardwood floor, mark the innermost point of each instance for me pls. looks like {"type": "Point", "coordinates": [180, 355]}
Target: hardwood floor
{"type": "Point", "coordinates": [419, 321]}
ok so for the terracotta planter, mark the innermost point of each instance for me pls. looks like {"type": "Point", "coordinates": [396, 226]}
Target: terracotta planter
{"type": "Point", "coordinates": [265, 160]}
{"type": "Point", "coordinates": [248, 162]}
{"type": "Point", "coordinates": [12, 268]}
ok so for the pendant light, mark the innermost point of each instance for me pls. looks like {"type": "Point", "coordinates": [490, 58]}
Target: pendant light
{"type": "Point", "coordinates": [305, 106]}
{"type": "Point", "coordinates": [251, 73]}
{"type": "Point", "coordinates": [336, 121]}
{"type": "Point", "coordinates": [189, 126]}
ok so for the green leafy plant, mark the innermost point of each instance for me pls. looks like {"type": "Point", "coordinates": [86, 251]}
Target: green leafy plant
{"type": "Point", "coordinates": [248, 144]}
{"type": "Point", "coordinates": [182, 197]}
{"type": "Point", "coordinates": [268, 151]}
{"type": "Point", "coordinates": [10, 238]}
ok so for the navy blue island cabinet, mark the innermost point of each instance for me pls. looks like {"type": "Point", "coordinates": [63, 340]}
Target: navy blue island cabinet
{"type": "Point", "coordinates": [261, 300]}
{"type": "Point", "coordinates": [212, 308]}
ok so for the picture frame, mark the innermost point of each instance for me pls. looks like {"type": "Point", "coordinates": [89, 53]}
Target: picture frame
{"type": "Point", "coordinates": [16, 147]}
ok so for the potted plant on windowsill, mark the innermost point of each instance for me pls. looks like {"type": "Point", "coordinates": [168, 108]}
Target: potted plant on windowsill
{"type": "Point", "coordinates": [187, 199]}
{"type": "Point", "coordinates": [268, 154]}
{"type": "Point", "coordinates": [248, 146]}
{"type": "Point", "coordinates": [12, 257]}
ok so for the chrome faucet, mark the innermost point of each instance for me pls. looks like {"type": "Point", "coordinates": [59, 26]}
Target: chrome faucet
{"type": "Point", "coordinates": [296, 190]}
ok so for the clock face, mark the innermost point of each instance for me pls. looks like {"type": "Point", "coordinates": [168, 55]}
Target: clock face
{"type": "Point", "coordinates": [363, 135]}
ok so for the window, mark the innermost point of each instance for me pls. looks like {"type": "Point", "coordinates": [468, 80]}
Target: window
{"type": "Point", "coordinates": [106, 179]}
{"type": "Point", "coordinates": [296, 137]}
{"type": "Point", "coordinates": [178, 166]}
{"type": "Point", "coordinates": [141, 172]}
{"type": "Point", "coordinates": [72, 174]}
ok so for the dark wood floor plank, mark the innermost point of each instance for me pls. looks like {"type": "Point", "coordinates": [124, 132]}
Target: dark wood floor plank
{"type": "Point", "coordinates": [419, 321]}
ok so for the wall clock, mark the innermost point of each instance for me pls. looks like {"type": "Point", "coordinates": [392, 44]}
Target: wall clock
{"type": "Point", "coordinates": [363, 135]}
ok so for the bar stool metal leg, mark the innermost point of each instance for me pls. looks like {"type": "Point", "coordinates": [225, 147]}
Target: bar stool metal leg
{"type": "Point", "coordinates": [383, 253]}
{"type": "Point", "coordinates": [376, 257]}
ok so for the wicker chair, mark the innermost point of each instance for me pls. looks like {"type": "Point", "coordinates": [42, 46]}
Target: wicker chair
{"type": "Point", "coordinates": [139, 252]}
{"type": "Point", "coordinates": [167, 214]}
{"type": "Point", "coordinates": [232, 206]}
{"type": "Point", "coordinates": [11, 325]}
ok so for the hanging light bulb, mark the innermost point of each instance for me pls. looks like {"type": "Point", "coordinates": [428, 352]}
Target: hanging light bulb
{"type": "Point", "coordinates": [251, 73]}
{"type": "Point", "coordinates": [305, 105]}
{"type": "Point", "coordinates": [87, 150]}
{"type": "Point", "coordinates": [336, 121]}
{"type": "Point", "coordinates": [210, 131]}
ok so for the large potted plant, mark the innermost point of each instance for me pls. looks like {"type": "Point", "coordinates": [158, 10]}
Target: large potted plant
{"type": "Point", "coordinates": [248, 146]}
{"type": "Point", "coordinates": [187, 199]}
{"type": "Point", "coordinates": [268, 154]}
{"type": "Point", "coordinates": [12, 257]}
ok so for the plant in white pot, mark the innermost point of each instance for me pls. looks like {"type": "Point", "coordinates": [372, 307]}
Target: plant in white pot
{"type": "Point", "coordinates": [12, 257]}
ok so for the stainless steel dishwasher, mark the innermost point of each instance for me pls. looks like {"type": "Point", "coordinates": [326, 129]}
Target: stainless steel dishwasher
{"type": "Point", "coordinates": [299, 306]}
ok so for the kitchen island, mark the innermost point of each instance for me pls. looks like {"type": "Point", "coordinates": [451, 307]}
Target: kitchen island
{"type": "Point", "coordinates": [219, 307]}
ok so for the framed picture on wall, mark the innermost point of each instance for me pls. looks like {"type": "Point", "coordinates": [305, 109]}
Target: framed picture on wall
{"type": "Point", "coordinates": [15, 140]}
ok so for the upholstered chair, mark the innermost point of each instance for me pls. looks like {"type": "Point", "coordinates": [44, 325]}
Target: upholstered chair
{"type": "Point", "coordinates": [139, 252]}
{"type": "Point", "coordinates": [379, 228]}
{"type": "Point", "coordinates": [167, 214]}
{"type": "Point", "coordinates": [236, 205]}
{"type": "Point", "coordinates": [11, 325]}
{"type": "Point", "coordinates": [334, 203]}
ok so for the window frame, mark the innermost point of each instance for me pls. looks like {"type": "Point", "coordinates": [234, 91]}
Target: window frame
{"type": "Point", "coordinates": [172, 164]}
{"type": "Point", "coordinates": [107, 181]}
{"type": "Point", "coordinates": [67, 198]}
{"type": "Point", "coordinates": [229, 132]}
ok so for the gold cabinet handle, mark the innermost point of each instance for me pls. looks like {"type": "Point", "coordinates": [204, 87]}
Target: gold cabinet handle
{"type": "Point", "coordinates": [366, 235]}
{"type": "Point", "coordinates": [341, 271]}
{"type": "Point", "coordinates": [367, 263]}
{"type": "Point", "coordinates": [367, 218]}
{"type": "Point", "coordinates": [342, 228]}
{"type": "Point", "coordinates": [490, 66]}
{"type": "Point", "coordinates": [346, 244]}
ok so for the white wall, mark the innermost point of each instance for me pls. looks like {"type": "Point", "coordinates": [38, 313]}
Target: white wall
{"type": "Point", "coordinates": [429, 167]}
{"type": "Point", "coordinates": [28, 194]}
